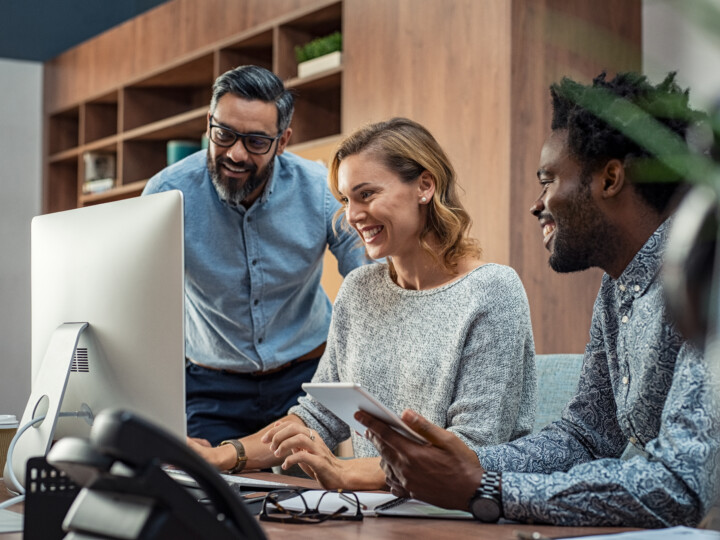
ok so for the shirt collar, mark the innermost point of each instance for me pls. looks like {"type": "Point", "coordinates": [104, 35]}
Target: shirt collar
{"type": "Point", "coordinates": [643, 269]}
{"type": "Point", "coordinates": [270, 186]}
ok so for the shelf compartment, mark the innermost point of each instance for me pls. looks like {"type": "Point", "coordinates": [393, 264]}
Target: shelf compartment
{"type": "Point", "coordinates": [302, 30]}
{"type": "Point", "coordinates": [126, 191]}
{"type": "Point", "coordinates": [188, 125]}
{"type": "Point", "coordinates": [255, 50]}
{"type": "Point", "coordinates": [64, 130]}
{"type": "Point", "coordinates": [317, 107]}
{"type": "Point", "coordinates": [173, 92]}
{"type": "Point", "coordinates": [98, 164]}
{"type": "Point", "coordinates": [196, 72]}
{"type": "Point", "coordinates": [141, 159]}
{"type": "Point", "coordinates": [100, 118]}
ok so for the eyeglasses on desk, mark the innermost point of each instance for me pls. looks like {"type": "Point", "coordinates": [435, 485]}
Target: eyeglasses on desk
{"type": "Point", "coordinates": [325, 509]}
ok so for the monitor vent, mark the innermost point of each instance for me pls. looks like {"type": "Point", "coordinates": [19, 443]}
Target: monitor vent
{"type": "Point", "coordinates": [80, 361]}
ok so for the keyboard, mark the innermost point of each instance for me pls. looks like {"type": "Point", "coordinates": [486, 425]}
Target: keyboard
{"type": "Point", "coordinates": [237, 483]}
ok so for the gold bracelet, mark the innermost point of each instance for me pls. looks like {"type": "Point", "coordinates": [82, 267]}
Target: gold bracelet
{"type": "Point", "coordinates": [241, 457]}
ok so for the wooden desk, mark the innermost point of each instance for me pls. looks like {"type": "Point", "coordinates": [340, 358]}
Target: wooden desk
{"type": "Point", "coordinates": [388, 528]}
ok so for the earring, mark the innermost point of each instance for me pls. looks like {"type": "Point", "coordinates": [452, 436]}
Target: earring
{"type": "Point", "coordinates": [424, 199]}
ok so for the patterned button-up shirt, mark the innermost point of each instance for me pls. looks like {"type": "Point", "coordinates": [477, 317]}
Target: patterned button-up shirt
{"type": "Point", "coordinates": [641, 383]}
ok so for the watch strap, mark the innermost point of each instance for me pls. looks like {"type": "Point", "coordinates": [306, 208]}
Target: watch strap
{"type": "Point", "coordinates": [241, 457]}
{"type": "Point", "coordinates": [490, 484]}
{"type": "Point", "coordinates": [489, 489]}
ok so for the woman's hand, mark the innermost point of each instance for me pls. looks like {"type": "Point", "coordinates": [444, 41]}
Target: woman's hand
{"type": "Point", "coordinates": [302, 446]}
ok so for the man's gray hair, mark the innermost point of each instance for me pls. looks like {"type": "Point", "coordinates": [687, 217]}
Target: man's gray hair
{"type": "Point", "coordinates": [254, 82]}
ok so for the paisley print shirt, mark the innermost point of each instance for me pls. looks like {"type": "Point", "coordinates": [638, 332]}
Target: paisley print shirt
{"type": "Point", "coordinates": [642, 384]}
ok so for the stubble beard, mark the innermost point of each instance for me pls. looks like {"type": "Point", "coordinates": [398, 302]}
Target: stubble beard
{"type": "Point", "coordinates": [583, 236]}
{"type": "Point", "coordinates": [233, 191]}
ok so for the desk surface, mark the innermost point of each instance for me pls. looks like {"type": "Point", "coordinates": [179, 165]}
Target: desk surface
{"type": "Point", "coordinates": [387, 528]}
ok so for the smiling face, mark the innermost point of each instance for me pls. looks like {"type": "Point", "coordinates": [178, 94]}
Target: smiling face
{"type": "Point", "coordinates": [239, 176]}
{"type": "Point", "coordinates": [575, 231]}
{"type": "Point", "coordinates": [386, 212]}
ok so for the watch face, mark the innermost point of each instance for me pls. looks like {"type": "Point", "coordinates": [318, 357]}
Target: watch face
{"type": "Point", "coordinates": [485, 508]}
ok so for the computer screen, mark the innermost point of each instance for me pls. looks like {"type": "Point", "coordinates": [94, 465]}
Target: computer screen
{"type": "Point", "coordinates": [119, 267]}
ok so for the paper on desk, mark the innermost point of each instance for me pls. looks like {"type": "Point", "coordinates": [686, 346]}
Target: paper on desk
{"type": "Point", "coordinates": [10, 521]}
{"type": "Point", "coordinates": [415, 508]}
{"type": "Point", "coordinates": [673, 533]}
{"type": "Point", "coordinates": [374, 505]}
{"type": "Point", "coordinates": [332, 502]}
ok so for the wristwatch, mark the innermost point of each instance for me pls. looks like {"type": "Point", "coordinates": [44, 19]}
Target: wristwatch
{"type": "Point", "coordinates": [486, 504]}
{"type": "Point", "coordinates": [241, 457]}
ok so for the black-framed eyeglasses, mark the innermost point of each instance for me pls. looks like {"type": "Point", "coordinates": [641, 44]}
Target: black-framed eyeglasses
{"type": "Point", "coordinates": [253, 143]}
{"type": "Point", "coordinates": [325, 509]}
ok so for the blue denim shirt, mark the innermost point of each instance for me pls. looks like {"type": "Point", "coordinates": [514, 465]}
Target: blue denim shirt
{"type": "Point", "coordinates": [641, 383]}
{"type": "Point", "coordinates": [253, 298]}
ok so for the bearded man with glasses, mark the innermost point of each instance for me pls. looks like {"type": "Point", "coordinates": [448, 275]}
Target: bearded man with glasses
{"type": "Point", "coordinates": [257, 222]}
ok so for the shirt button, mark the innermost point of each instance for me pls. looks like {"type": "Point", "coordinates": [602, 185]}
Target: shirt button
{"type": "Point", "coordinates": [633, 440]}
{"type": "Point", "coordinates": [625, 380]}
{"type": "Point", "coordinates": [249, 219]}
{"type": "Point", "coordinates": [260, 340]}
{"type": "Point", "coordinates": [622, 288]}
{"type": "Point", "coordinates": [624, 319]}
{"type": "Point", "coordinates": [256, 302]}
{"type": "Point", "coordinates": [636, 288]}
{"type": "Point", "coordinates": [254, 262]}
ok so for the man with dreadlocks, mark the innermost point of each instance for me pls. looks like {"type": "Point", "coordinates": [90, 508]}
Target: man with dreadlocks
{"type": "Point", "coordinates": [606, 201]}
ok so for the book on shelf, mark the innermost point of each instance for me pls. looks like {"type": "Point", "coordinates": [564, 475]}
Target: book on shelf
{"type": "Point", "coordinates": [97, 186]}
{"type": "Point", "coordinates": [180, 149]}
{"type": "Point", "coordinates": [99, 165]}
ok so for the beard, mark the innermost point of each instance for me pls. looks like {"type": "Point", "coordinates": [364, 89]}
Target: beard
{"type": "Point", "coordinates": [232, 190]}
{"type": "Point", "coordinates": [584, 238]}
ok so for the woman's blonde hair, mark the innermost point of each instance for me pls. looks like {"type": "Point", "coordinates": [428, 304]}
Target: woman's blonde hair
{"type": "Point", "coordinates": [408, 149]}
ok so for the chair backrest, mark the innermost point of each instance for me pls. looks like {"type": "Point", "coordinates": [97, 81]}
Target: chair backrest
{"type": "Point", "coordinates": [557, 380]}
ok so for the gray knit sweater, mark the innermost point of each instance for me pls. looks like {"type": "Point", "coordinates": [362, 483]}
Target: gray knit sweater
{"type": "Point", "coordinates": [462, 355]}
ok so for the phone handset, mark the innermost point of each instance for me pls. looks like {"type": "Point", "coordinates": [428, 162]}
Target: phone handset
{"type": "Point", "coordinates": [120, 467]}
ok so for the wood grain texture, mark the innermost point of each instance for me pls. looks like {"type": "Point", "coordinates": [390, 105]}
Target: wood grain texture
{"type": "Point", "coordinates": [552, 39]}
{"type": "Point", "coordinates": [476, 74]}
{"type": "Point", "coordinates": [447, 66]}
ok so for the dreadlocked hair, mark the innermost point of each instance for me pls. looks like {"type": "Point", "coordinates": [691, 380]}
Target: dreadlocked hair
{"type": "Point", "coordinates": [596, 135]}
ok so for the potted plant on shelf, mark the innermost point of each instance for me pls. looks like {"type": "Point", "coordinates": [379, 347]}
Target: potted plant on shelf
{"type": "Point", "coordinates": [319, 54]}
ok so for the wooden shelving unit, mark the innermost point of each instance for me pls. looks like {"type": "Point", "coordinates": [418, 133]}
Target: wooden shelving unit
{"type": "Point", "coordinates": [135, 120]}
{"type": "Point", "coordinates": [476, 74]}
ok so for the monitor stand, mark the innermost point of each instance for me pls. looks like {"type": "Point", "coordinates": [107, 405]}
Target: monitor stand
{"type": "Point", "coordinates": [45, 399]}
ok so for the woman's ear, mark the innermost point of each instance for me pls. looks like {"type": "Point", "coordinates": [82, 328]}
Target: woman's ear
{"type": "Point", "coordinates": [613, 178]}
{"type": "Point", "coordinates": [426, 187]}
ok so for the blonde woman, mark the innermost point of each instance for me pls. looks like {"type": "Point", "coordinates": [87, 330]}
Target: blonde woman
{"type": "Point", "coordinates": [434, 329]}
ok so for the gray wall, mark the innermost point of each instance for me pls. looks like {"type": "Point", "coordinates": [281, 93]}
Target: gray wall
{"type": "Point", "coordinates": [20, 181]}
{"type": "Point", "coordinates": [673, 40]}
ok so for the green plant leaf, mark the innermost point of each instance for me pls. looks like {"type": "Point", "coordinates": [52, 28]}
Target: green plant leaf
{"type": "Point", "coordinates": [319, 47]}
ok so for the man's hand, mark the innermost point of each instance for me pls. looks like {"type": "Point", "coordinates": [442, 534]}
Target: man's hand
{"type": "Point", "coordinates": [445, 472]}
{"type": "Point", "coordinates": [220, 457]}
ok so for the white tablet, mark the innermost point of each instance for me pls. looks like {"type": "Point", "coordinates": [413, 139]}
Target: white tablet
{"type": "Point", "coordinates": [344, 399]}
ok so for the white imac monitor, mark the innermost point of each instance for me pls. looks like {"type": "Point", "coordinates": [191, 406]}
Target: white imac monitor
{"type": "Point", "coordinates": [107, 319]}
